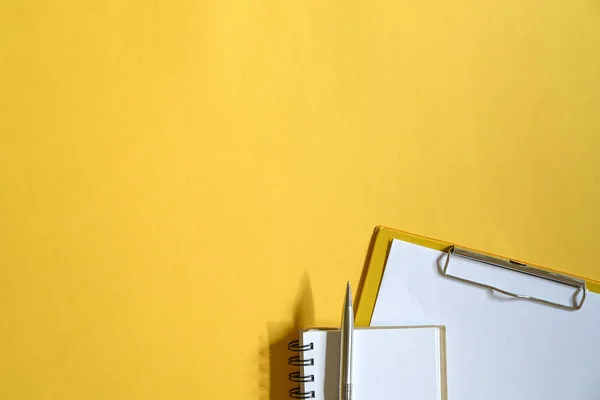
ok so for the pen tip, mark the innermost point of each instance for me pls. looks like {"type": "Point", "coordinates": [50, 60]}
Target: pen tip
{"type": "Point", "coordinates": [348, 293]}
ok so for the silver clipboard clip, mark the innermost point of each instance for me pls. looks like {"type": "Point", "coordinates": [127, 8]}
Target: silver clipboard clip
{"type": "Point", "coordinates": [579, 284]}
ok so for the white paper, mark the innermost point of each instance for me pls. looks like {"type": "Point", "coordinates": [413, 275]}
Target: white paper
{"type": "Point", "coordinates": [497, 347]}
{"type": "Point", "coordinates": [395, 363]}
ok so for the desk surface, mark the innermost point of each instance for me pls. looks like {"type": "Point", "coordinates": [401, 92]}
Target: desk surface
{"type": "Point", "coordinates": [185, 183]}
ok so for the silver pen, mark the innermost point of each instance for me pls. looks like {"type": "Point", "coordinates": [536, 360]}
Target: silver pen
{"type": "Point", "coordinates": [346, 338]}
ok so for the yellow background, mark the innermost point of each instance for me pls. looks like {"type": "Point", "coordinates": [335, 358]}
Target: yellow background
{"type": "Point", "coordinates": [184, 183]}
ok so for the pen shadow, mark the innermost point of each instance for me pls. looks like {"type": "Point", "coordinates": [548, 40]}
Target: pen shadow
{"type": "Point", "coordinates": [274, 368]}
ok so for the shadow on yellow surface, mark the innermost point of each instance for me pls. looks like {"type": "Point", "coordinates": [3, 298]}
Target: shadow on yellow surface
{"type": "Point", "coordinates": [273, 368]}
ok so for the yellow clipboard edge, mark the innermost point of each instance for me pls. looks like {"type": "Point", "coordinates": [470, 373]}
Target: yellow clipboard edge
{"type": "Point", "coordinates": [377, 257]}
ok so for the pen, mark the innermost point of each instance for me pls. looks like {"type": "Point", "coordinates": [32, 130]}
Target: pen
{"type": "Point", "coordinates": [346, 338]}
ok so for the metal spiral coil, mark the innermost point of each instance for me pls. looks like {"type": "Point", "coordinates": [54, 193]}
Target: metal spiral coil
{"type": "Point", "coordinates": [295, 346]}
{"type": "Point", "coordinates": [297, 393]}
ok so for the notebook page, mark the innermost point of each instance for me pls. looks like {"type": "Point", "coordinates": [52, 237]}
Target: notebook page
{"type": "Point", "coordinates": [497, 348]}
{"type": "Point", "coordinates": [395, 363]}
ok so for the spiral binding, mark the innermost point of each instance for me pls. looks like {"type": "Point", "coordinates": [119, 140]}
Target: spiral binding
{"type": "Point", "coordinates": [297, 393]}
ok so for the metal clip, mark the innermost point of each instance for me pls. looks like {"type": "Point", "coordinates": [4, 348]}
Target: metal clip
{"type": "Point", "coordinates": [579, 284]}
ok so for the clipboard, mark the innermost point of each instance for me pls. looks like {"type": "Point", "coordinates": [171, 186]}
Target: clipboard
{"type": "Point", "coordinates": [380, 247]}
{"type": "Point", "coordinates": [513, 330]}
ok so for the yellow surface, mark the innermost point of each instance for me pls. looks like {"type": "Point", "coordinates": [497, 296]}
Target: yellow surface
{"type": "Point", "coordinates": [184, 183]}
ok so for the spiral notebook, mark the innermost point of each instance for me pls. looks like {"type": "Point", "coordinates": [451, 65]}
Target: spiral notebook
{"type": "Point", "coordinates": [404, 363]}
